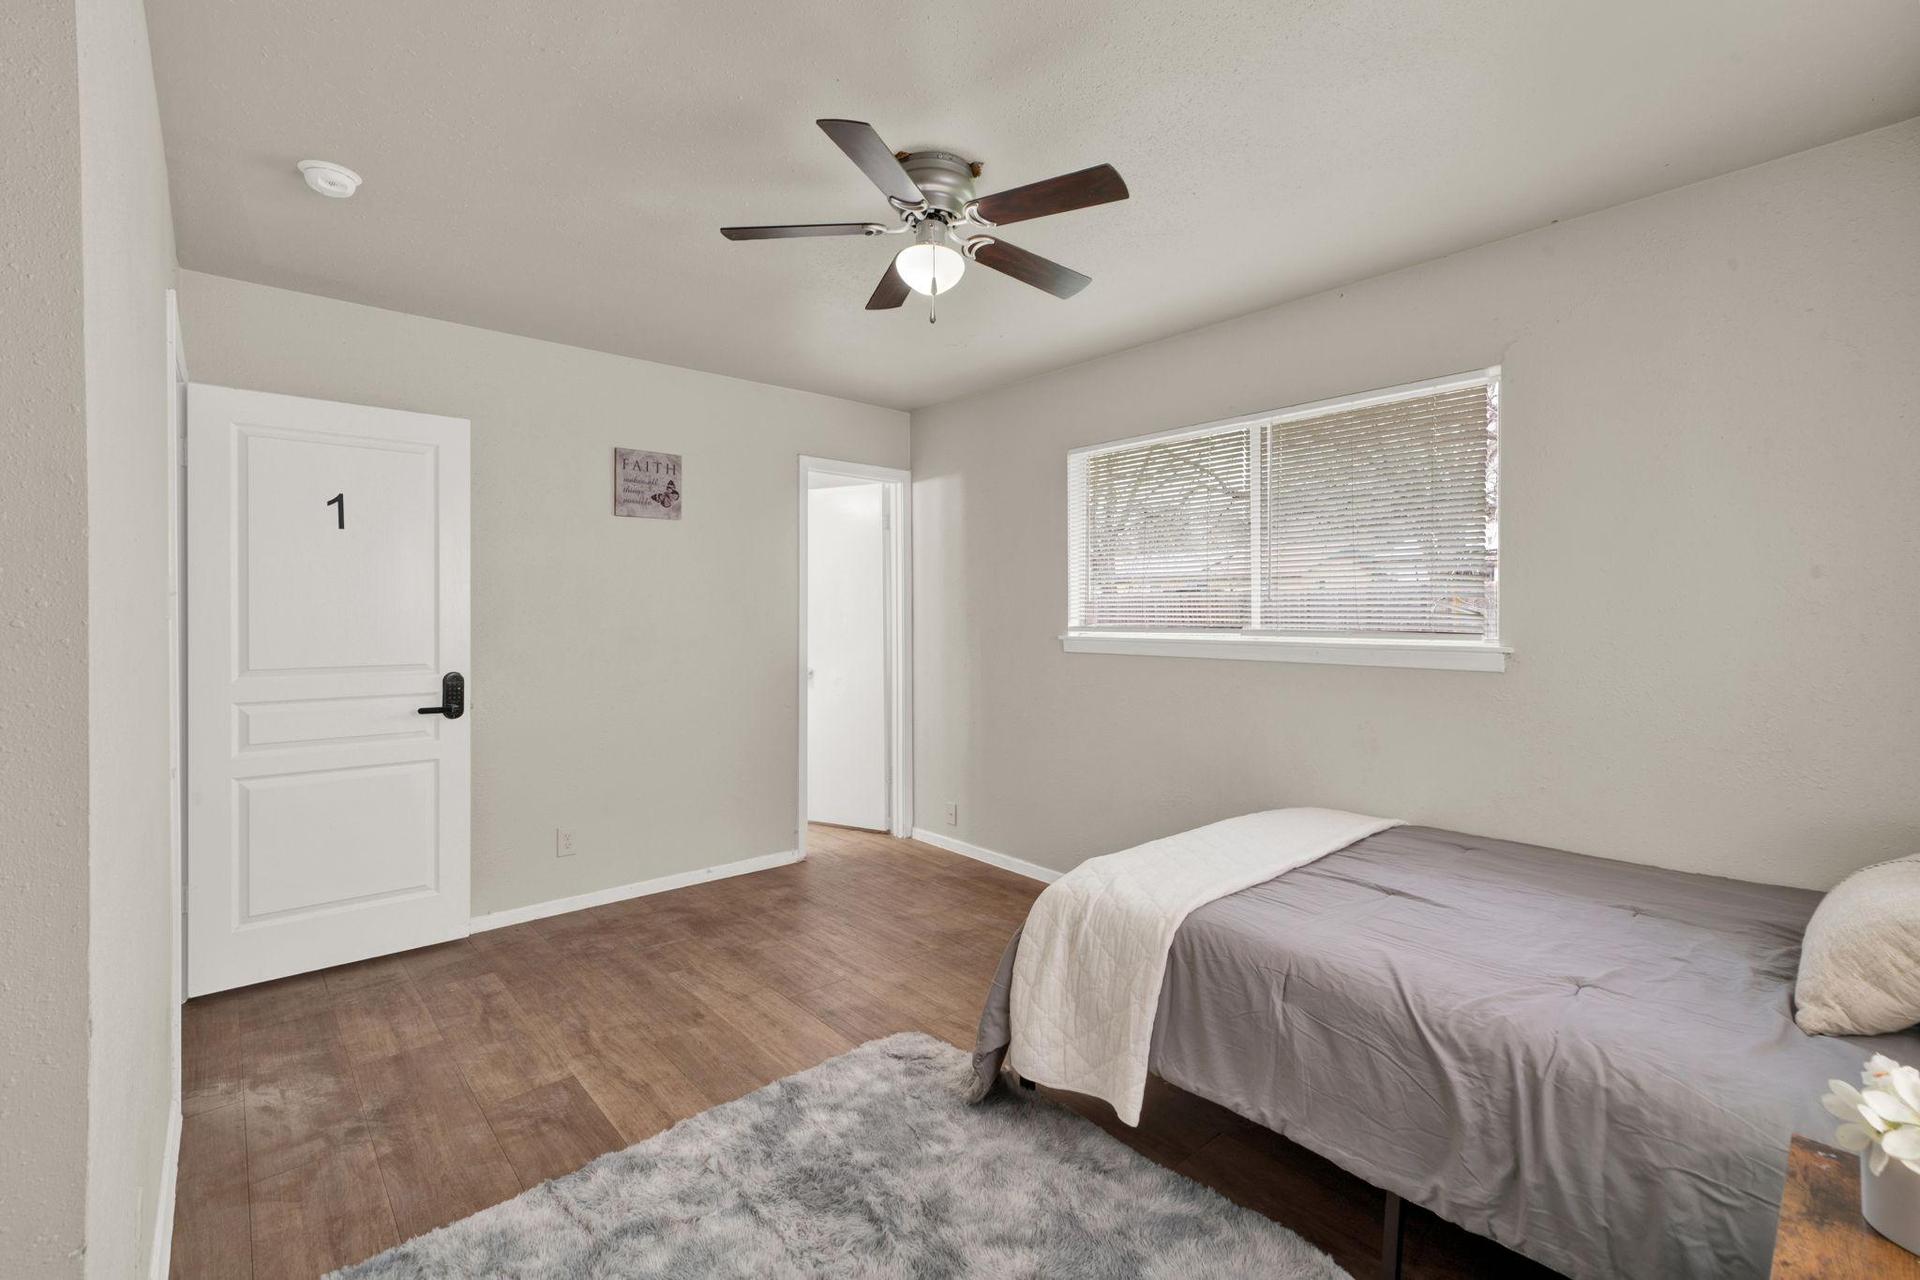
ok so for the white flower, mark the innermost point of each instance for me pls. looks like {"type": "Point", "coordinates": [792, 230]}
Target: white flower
{"type": "Point", "coordinates": [1844, 1101]}
{"type": "Point", "coordinates": [1906, 1083]}
{"type": "Point", "coordinates": [1882, 1118]}
{"type": "Point", "coordinates": [1890, 1108]}
{"type": "Point", "coordinates": [1902, 1144]}
{"type": "Point", "coordinates": [1854, 1137]}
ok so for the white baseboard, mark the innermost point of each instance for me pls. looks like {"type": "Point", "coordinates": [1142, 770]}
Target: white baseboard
{"type": "Point", "coordinates": [1019, 866]}
{"type": "Point", "coordinates": [160, 1257]}
{"type": "Point", "coordinates": [638, 889]}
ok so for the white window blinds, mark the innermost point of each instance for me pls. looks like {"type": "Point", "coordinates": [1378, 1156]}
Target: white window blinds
{"type": "Point", "coordinates": [1163, 535]}
{"type": "Point", "coordinates": [1371, 516]}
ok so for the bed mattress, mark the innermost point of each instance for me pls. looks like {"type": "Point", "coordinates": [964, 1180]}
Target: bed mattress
{"type": "Point", "coordinates": [1591, 1062]}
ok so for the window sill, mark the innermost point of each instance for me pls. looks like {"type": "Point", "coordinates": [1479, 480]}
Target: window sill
{"type": "Point", "coordinates": [1438, 655]}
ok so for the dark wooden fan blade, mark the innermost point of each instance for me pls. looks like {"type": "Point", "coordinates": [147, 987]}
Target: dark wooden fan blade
{"type": "Point", "coordinates": [875, 158]}
{"type": "Point", "coordinates": [889, 293]}
{"type": "Point", "coordinates": [1098, 185]}
{"type": "Point", "coordinates": [802, 229]}
{"type": "Point", "coordinates": [1031, 268]}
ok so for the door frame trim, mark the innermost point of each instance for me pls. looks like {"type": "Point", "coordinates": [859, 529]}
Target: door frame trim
{"type": "Point", "coordinates": [160, 1253]}
{"type": "Point", "coordinates": [898, 490]}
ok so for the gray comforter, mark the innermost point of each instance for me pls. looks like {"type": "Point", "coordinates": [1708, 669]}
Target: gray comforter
{"type": "Point", "coordinates": [1591, 1062]}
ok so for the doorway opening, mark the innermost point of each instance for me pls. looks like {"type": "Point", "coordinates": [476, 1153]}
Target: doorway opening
{"type": "Point", "coordinates": [854, 696]}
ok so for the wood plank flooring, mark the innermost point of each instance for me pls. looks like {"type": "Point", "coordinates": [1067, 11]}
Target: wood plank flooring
{"type": "Point", "coordinates": [332, 1115]}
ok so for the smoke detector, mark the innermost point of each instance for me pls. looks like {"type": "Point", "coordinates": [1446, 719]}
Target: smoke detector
{"type": "Point", "coordinates": [329, 179]}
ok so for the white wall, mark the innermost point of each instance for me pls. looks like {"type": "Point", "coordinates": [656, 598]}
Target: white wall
{"type": "Point", "coordinates": [633, 680]}
{"type": "Point", "coordinates": [134, 912]}
{"type": "Point", "coordinates": [847, 654]}
{"type": "Point", "coordinates": [87, 909]}
{"type": "Point", "coordinates": [43, 649]}
{"type": "Point", "coordinates": [1711, 482]}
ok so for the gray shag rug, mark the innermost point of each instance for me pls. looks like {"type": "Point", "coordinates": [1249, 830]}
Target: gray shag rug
{"type": "Point", "coordinates": [869, 1165]}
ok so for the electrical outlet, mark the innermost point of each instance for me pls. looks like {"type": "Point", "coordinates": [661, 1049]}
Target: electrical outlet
{"type": "Point", "coordinates": [953, 815]}
{"type": "Point", "coordinates": [562, 843]}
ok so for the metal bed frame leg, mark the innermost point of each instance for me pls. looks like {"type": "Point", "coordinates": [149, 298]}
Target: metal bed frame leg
{"type": "Point", "coordinates": [1390, 1236]}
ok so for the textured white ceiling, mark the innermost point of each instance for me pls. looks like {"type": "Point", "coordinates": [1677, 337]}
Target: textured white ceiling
{"type": "Point", "coordinates": [560, 169]}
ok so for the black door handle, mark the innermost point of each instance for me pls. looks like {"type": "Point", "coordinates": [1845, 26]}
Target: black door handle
{"type": "Point", "coordinates": [453, 697]}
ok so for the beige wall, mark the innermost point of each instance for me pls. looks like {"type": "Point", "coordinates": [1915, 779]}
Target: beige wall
{"type": "Point", "coordinates": [87, 908]}
{"type": "Point", "coordinates": [633, 680]}
{"type": "Point", "coordinates": [134, 914]}
{"type": "Point", "coordinates": [43, 650]}
{"type": "Point", "coordinates": [1711, 516]}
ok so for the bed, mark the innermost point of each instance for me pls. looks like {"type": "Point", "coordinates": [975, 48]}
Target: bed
{"type": "Point", "coordinates": [1592, 1062]}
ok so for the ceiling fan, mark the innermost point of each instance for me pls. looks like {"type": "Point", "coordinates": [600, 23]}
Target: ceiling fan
{"type": "Point", "coordinates": [932, 194]}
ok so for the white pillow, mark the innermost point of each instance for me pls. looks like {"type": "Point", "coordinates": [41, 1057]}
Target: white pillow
{"type": "Point", "coordinates": [1860, 959]}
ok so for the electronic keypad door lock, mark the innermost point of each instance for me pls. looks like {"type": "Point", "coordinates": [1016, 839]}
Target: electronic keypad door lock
{"type": "Point", "coordinates": [453, 697]}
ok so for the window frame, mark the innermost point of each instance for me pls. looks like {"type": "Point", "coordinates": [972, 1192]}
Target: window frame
{"type": "Point", "coordinates": [1438, 653]}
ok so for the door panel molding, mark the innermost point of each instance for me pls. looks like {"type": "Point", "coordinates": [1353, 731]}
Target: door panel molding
{"type": "Point", "coordinates": [277, 726]}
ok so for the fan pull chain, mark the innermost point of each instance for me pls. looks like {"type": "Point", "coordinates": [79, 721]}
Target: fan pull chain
{"type": "Point", "coordinates": [933, 298]}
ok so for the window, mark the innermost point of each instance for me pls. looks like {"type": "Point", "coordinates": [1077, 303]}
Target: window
{"type": "Point", "coordinates": [1363, 529]}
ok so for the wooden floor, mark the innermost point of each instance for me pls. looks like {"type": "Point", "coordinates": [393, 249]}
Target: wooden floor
{"type": "Point", "coordinates": [332, 1115]}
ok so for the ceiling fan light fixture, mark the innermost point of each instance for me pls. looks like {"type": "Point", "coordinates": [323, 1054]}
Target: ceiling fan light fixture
{"type": "Point", "coordinates": [932, 192]}
{"type": "Point", "coordinates": [931, 265]}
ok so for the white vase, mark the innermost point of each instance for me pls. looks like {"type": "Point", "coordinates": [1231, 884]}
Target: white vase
{"type": "Point", "coordinates": [1890, 1202]}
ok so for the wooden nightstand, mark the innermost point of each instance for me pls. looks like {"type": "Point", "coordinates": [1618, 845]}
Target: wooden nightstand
{"type": "Point", "coordinates": [1821, 1231]}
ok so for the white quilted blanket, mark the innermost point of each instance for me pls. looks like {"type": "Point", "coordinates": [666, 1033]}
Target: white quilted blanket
{"type": "Point", "coordinates": [1086, 979]}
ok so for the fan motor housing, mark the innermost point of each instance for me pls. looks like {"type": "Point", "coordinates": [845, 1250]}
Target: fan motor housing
{"type": "Point", "coordinates": [944, 178]}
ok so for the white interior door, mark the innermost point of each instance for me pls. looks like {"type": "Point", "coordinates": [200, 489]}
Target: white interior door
{"type": "Point", "coordinates": [847, 655]}
{"type": "Point", "coordinates": [327, 596]}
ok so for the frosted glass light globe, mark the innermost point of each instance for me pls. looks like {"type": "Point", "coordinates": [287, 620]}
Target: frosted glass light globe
{"type": "Point", "coordinates": [923, 266]}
